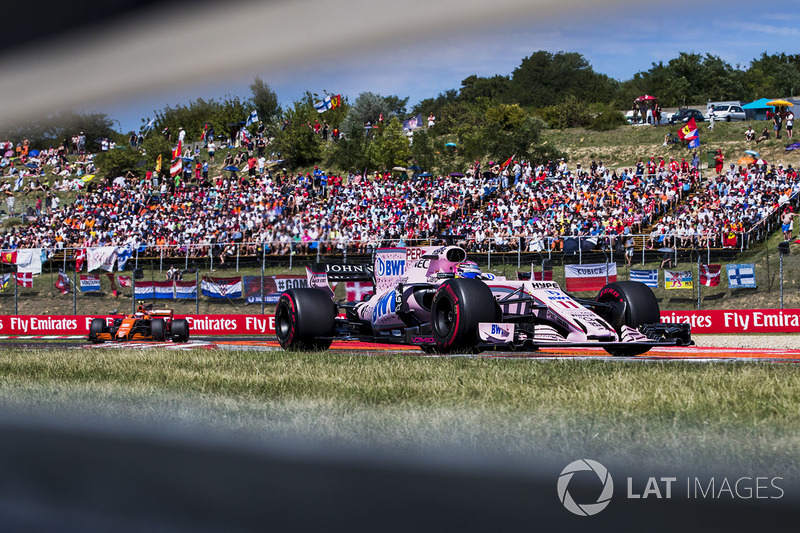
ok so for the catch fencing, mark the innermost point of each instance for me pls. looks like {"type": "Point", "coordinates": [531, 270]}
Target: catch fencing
{"type": "Point", "coordinates": [196, 279]}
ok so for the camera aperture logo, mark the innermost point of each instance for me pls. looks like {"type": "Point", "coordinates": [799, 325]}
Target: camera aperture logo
{"type": "Point", "coordinates": [585, 509]}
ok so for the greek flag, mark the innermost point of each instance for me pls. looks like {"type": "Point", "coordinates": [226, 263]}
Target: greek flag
{"type": "Point", "coordinates": [649, 277]}
{"type": "Point", "coordinates": [253, 118]}
{"type": "Point", "coordinates": [741, 275]}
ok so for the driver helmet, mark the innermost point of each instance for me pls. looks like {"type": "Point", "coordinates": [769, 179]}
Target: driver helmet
{"type": "Point", "coordinates": [468, 269]}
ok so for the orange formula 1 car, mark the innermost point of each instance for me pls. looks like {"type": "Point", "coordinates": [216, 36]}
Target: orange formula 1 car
{"type": "Point", "coordinates": [146, 324]}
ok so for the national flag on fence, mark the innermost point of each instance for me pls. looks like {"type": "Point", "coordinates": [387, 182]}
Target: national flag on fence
{"type": "Point", "coordinates": [185, 289]}
{"type": "Point", "coordinates": [123, 254]}
{"type": "Point", "coordinates": [89, 282]}
{"type": "Point", "coordinates": [710, 274]}
{"type": "Point", "coordinates": [543, 275]}
{"type": "Point", "coordinates": [741, 275]}
{"type": "Point", "coordinates": [113, 283]}
{"type": "Point", "coordinates": [647, 276]}
{"type": "Point", "coordinates": [28, 260]}
{"type": "Point", "coordinates": [25, 279]}
{"type": "Point", "coordinates": [164, 289]}
{"type": "Point", "coordinates": [80, 257]}
{"type": "Point", "coordinates": [143, 290]}
{"type": "Point", "coordinates": [413, 123]}
{"type": "Point", "coordinates": [357, 290]}
{"type": "Point", "coordinates": [222, 287]}
{"type": "Point", "coordinates": [102, 257]}
{"type": "Point", "coordinates": [590, 277]}
{"type": "Point", "coordinates": [4, 279]}
{"type": "Point", "coordinates": [678, 279]}
{"type": "Point", "coordinates": [124, 281]}
{"type": "Point", "coordinates": [63, 282]}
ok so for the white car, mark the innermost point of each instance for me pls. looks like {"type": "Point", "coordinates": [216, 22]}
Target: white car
{"type": "Point", "coordinates": [728, 112]}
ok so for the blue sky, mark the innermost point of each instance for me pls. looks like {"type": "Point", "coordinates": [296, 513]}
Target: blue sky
{"type": "Point", "coordinates": [619, 43]}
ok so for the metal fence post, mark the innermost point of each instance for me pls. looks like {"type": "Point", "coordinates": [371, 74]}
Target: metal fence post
{"type": "Point", "coordinates": [187, 256]}
{"type": "Point", "coordinates": [698, 281]}
{"type": "Point", "coordinates": [263, 259]}
{"type": "Point", "coordinates": [197, 292]}
{"type": "Point", "coordinates": [75, 292]}
{"type": "Point", "coordinates": [237, 256]}
{"type": "Point", "coordinates": [780, 255]}
{"type": "Point", "coordinates": [291, 254]}
{"type": "Point", "coordinates": [161, 261]}
{"type": "Point", "coordinates": [580, 251]}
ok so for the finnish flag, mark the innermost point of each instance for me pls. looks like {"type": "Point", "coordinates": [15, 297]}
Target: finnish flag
{"type": "Point", "coordinates": [253, 118]}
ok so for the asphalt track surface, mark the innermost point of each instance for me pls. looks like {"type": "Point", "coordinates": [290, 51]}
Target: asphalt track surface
{"type": "Point", "coordinates": [691, 353]}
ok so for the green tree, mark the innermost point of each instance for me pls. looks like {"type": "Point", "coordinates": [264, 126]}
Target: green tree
{"type": "Point", "coordinates": [773, 76]}
{"type": "Point", "coordinates": [296, 142]}
{"type": "Point", "coordinates": [389, 147]}
{"type": "Point", "coordinates": [368, 107]}
{"type": "Point", "coordinates": [545, 79]}
{"type": "Point", "coordinates": [265, 101]}
{"type": "Point", "coordinates": [117, 162]}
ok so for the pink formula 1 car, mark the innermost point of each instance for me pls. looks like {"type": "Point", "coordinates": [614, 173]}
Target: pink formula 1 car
{"type": "Point", "coordinates": [434, 298]}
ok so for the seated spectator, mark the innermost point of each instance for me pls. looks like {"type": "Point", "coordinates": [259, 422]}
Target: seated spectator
{"type": "Point", "coordinates": [764, 136]}
{"type": "Point", "coordinates": [750, 134]}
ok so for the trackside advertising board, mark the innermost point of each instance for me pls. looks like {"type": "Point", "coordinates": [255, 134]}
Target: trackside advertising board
{"type": "Point", "coordinates": [716, 321]}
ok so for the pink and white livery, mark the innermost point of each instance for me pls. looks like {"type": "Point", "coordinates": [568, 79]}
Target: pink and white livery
{"type": "Point", "coordinates": [433, 297]}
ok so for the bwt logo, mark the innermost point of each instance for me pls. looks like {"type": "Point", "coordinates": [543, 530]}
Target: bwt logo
{"type": "Point", "coordinates": [395, 267]}
{"type": "Point", "coordinates": [585, 509]}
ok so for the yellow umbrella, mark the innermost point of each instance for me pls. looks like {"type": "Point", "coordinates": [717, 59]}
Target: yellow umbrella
{"type": "Point", "coordinates": [745, 161]}
{"type": "Point", "coordinates": [87, 178]}
{"type": "Point", "coordinates": [780, 103]}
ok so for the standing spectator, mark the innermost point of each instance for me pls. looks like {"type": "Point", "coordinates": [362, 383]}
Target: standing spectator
{"type": "Point", "coordinates": [630, 244]}
{"type": "Point", "coordinates": [777, 122]}
{"type": "Point", "coordinates": [789, 123]}
{"type": "Point", "coordinates": [81, 143]}
{"type": "Point", "coordinates": [211, 149]}
{"type": "Point", "coordinates": [719, 161]}
{"type": "Point", "coordinates": [431, 120]}
{"type": "Point", "coordinates": [711, 118]}
{"type": "Point", "coordinates": [181, 135]}
{"type": "Point", "coordinates": [325, 129]}
{"type": "Point", "coordinates": [787, 223]}
{"type": "Point", "coordinates": [10, 203]}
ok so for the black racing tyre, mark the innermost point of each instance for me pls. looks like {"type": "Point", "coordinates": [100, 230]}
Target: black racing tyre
{"type": "Point", "coordinates": [179, 330]}
{"type": "Point", "coordinates": [637, 306]}
{"type": "Point", "coordinates": [302, 316]}
{"type": "Point", "coordinates": [158, 329]}
{"type": "Point", "coordinates": [459, 305]}
{"type": "Point", "coordinates": [97, 326]}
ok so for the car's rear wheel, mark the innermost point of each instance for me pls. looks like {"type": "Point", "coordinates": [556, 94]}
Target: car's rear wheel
{"type": "Point", "coordinates": [633, 305]}
{"type": "Point", "coordinates": [302, 316]}
{"type": "Point", "coordinates": [179, 329]}
{"type": "Point", "coordinates": [459, 305]}
{"type": "Point", "coordinates": [96, 327]}
{"type": "Point", "coordinates": [158, 329]}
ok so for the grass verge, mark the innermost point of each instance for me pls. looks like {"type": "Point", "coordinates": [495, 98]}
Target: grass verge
{"type": "Point", "coordinates": [735, 415]}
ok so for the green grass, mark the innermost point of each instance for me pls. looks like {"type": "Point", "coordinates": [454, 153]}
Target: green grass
{"type": "Point", "coordinates": [733, 414]}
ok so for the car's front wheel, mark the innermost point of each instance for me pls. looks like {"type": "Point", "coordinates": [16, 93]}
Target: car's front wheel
{"type": "Point", "coordinates": [632, 304]}
{"type": "Point", "coordinates": [97, 326]}
{"type": "Point", "coordinates": [459, 305]}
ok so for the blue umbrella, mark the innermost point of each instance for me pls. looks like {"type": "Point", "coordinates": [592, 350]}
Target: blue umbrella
{"type": "Point", "coordinates": [424, 175]}
{"type": "Point", "coordinates": [752, 152]}
{"type": "Point", "coordinates": [34, 153]}
{"type": "Point", "coordinates": [451, 144]}
{"type": "Point", "coordinates": [188, 158]}
{"type": "Point", "coordinates": [232, 168]}
{"type": "Point", "coordinates": [32, 165]}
